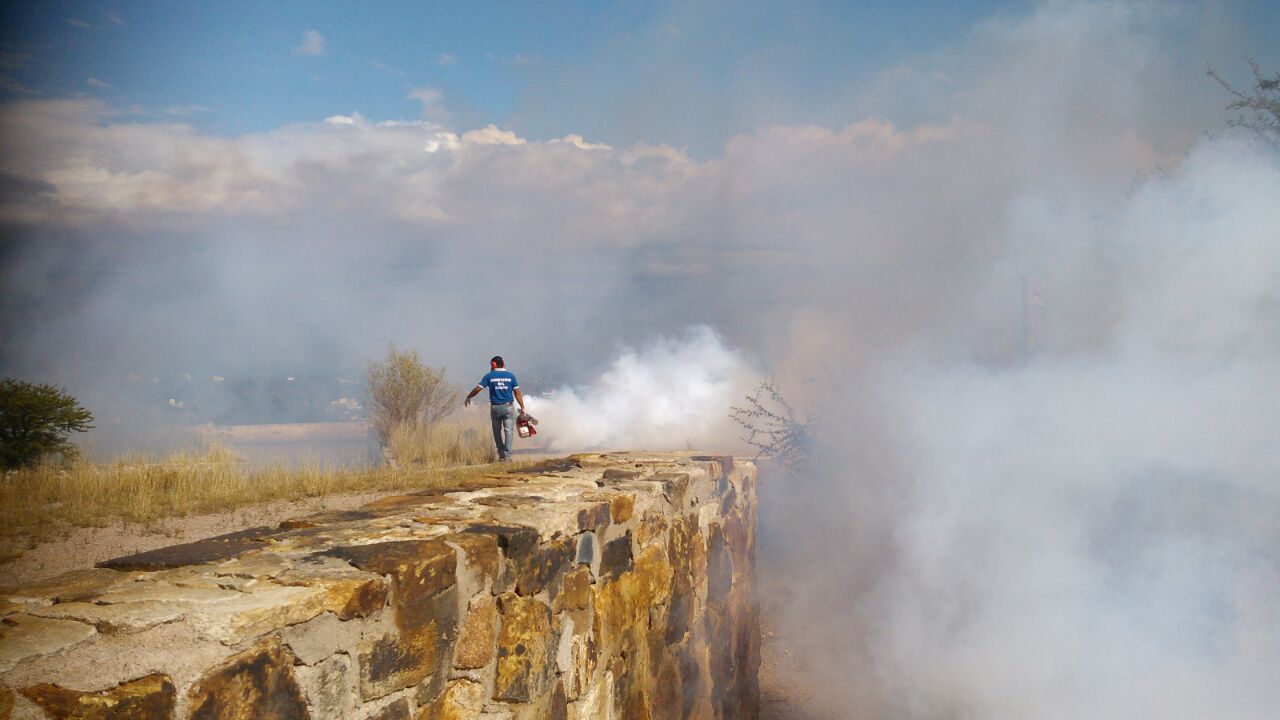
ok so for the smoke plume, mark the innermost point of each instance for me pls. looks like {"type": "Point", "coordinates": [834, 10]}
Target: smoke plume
{"type": "Point", "coordinates": [671, 394]}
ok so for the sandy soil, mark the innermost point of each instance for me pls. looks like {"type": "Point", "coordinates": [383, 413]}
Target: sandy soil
{"type": "Point", "coordinates": [86, 546]}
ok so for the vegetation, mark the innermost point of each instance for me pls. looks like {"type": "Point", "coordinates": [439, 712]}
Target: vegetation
{"type": "Point", "coordinates": [35, 422]}
{"type": "Point", "coordinates": [43, 502]}
{"type": "Point", "coordinates": [464, 440]}
{"type": "Point", "coordinates": [773, 428]}
{"type": "Point", "coordinates": [1257, 108]}
{"type": "Point", "coordinates": [405, 391]}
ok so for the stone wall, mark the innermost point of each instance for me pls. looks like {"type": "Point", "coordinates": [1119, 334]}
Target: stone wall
{"type": "Point", "coordinates": [600, 586]}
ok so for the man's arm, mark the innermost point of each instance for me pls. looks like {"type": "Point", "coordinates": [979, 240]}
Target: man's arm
{"type": "Point", "coordinates": [472, 394]}
{"type": "Point", "coordinates": [520, 399]}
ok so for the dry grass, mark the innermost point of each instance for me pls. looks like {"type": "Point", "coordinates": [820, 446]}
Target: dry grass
{"type": "Point", "coordinates": [42, 503]}
{"type": "Point", "coordinates": [464, 439]}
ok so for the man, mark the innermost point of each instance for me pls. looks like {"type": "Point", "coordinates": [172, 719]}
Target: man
{"type": "Point", "coordinates": [503, 389]}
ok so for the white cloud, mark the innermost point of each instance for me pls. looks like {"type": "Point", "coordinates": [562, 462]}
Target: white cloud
{"type": "Point", "coordinates": [95, 82]}
{"type": "Point", "coordinates": [313, 43]}
{"type": "Point", "coordinates": [432, 100]}
{"type": "Point", "coordinates": [447, 59]}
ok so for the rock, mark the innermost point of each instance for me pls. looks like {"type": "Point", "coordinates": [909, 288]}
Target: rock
{"type": "Point", "coordinates": [542, 567]}
{"type": "Point", "coordinates": [476, 641]}
{"type": "Point", "coordinates": [479, 552]}
{"type": "Point", "coordinates": [118, 619]}
{"type": "Point", "coordinates": [6, 703]}
{"type": "Point", "coordinates": [256, 613]}
{"type": "Point", "coordinates": [165, 592]}
{"type": "Point", "coordinates": [222, 547]}
{"type": "Point", "coordinates": [148, 698]}
{"type": "Point", "coordinates": [427, 628]}
{"type": "Point", "coordinates": [524, 654]}
{"type": "Point", "coordinates": [461, 700]}
{"type": "Point", "coordinates": [575, 594]}
{"type": "Point", "coordinates": [621, 507]}
{"type": "Point", "coordinates": [588, 552]}
{"type": "Point", "coordinates": [75, 586]}
{"type": "Point", "coordinates": [347, 594]}
{"type": "Point", "coordinates": [27, 636]}
{"type": "Point", "coordinates": [616, 557]}
{"type": "Point", "coordinates": [256, 566]}
{"type": "Point", "coordinates": [257, 684]}
{"type": "Point", "coordinates": [417, 567]}
{"type": "Point", "coordinates": [329, 687]}
{"type": "Point", "coordinates": [398, 710]}
{"type": "Point", "coordinates": [320, 637]}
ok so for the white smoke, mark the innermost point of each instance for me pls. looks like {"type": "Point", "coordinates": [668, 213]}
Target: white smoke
{"type": "Point", "coordinates": [673, 393]}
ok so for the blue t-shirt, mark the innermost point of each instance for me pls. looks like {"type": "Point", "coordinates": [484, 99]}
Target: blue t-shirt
{"type": "Point", "coordinates": [502, 386]}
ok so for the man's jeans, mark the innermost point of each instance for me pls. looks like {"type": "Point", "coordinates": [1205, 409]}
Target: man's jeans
{"type": "Point", "coordinates": [504, 425]}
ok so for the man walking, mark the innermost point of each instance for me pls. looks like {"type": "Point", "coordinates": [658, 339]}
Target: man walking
{"type": "Point", "coordinates": [503, 390]}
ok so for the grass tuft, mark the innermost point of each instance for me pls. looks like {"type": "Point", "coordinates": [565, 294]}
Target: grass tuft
{"type": "Point", "coordinates": [45, 502]}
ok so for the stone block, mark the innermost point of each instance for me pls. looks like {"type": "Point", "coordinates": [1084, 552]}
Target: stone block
{"type": "Point", "coordinates": [426, 630]}
{"type": "Point", "coordinates": [479, 553]}
{"type": "Point", "coordinates": [27, 636]}
{"type": "Point", "coordinates": [169, 593]}
{"type": "Point", "coordinates": [461, 700]}
{"type": "Point", "coordinates": [588, 552]}
{"type": "Point", "coordinates": [329, 687]}
{"type": "Point", "coordinates": [475, 645]}
{"type": "Point", "coordinates": [222, 547]}
{"type": "Point", "coordinates": [615, 559]}
{"type": "Point", "coordinates": [541, 568]}
{"type": "Point", "coordinates": [148, 698]}
{"type": "Point", "coordinates": [252, 614]}
{"type": "Point", "coordinates": [255, 566]}
{"type": "Point", "coordinates": [257, 684]}
{"type": "Point", "coordinates": [396, 710]}
{"type": "Point", "coordinates": [575, 592]}
{"type": "Point", "coordinates": [74, 586]}
{"type": "Point", "coordinates": [594, 517]}
{"type": "Point", "coordinates": [320, 637]}
{"type": "Point", "coordinates": [118, 619]}
{"type": "Point", "coordinates": [524, 648]}
{"type": "Point", "coordinates": [621, 507]}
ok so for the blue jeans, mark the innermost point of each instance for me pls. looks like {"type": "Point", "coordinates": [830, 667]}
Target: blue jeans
{"type": "Point", "coordinates": [504, 425]}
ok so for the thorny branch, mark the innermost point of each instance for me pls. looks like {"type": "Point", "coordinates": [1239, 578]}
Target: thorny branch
{"type": "Point", "coordinates": [1259, 107]}
{"type": "Point", "coordinates": [772, 427]}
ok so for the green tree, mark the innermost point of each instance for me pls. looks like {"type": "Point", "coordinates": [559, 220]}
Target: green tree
{"type": "Point", "coordinates": [404, 390]}
{"type": "Point", "coordinates": [35, 421]}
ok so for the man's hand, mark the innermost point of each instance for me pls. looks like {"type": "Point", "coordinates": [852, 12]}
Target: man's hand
{"type": "Point", "coordinates": [467, 401]}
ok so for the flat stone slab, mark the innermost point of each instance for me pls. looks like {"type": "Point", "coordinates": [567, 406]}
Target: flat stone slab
{"type": "Point", "coordinates": [118, 619]}
{"type": "Point", "coordinates": [27, 636]}
{"type": "Point", "coordinates": [222, 547]}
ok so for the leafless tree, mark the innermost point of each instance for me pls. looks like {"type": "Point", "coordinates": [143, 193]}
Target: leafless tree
{"type": "Point", "coordinates": [772, 427]}
{"type": "Point", "coordinates": [1258, 108]}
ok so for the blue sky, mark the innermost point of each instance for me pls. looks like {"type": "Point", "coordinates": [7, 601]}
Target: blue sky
{"type": "Point", "coordinates": [684, 73]}
{"type": "Point", "coordinates": [687, 74]}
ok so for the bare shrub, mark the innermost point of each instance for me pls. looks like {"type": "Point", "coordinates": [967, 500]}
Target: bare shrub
{"type": "Point", "coordinates": [405, 391]}
{"type": "Point", "coordinates": [773, 428]}
{"type": "Point", "coordinates": [1258, 107]}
